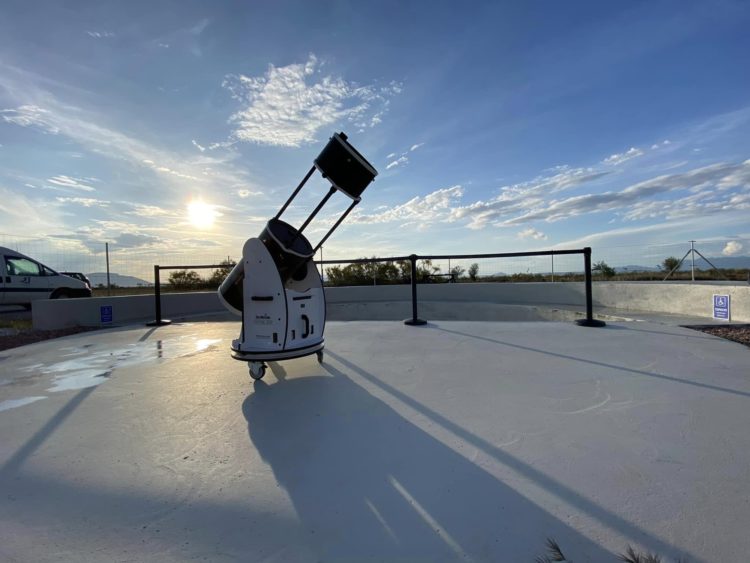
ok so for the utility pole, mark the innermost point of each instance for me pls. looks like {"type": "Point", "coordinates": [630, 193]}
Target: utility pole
{"type": "Point", "coordinates": [109, 286]}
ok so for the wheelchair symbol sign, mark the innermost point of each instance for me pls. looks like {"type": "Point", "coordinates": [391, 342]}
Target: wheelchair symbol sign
{"type": "Point", "coordinates": [721, 307]}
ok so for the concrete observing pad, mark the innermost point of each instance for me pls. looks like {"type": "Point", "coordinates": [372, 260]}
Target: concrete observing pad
{"type": "Point", "coordinates": [456, 441]}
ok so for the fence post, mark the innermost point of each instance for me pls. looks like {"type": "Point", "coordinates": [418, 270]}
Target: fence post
{"type": "Point", "coordinates": [414, 320]}
{"type": "Point", "coordinates": [589, 320]}
{"type": "Point", "coordinates": [158, 321]}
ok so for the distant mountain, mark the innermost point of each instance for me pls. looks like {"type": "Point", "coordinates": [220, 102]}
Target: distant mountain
{"type": "Point", "coordinates": [721, 262]}
{"type": "Point", "coordinates": [100, 278]}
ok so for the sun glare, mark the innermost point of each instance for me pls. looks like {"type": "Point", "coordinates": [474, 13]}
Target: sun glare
{"type": "Point", "coordinates": [201, 214]}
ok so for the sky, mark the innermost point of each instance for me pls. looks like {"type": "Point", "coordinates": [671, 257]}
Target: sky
{"type": "Point", "coordinates": [171, 128]}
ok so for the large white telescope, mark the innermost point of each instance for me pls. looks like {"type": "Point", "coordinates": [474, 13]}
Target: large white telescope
{"type": "Point", "coordinates": [276, 288]}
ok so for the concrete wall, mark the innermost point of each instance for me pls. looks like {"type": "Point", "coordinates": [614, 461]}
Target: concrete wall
{"type": "Point", "coordinates": [694, 299]}
{"type": "Point", "coordinates": [479, 301]}
{"type": "Point", "coordinates": [50, 314]}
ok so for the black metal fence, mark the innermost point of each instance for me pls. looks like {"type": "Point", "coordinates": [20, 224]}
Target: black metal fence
{"type": "Point", "coordinates": [413, 259]}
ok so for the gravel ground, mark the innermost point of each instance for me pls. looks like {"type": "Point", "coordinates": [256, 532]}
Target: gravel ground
{"type": "Point", "coordinates": [738, 333]}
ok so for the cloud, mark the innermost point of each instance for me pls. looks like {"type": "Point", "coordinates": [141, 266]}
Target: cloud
{"type": "Point", "coordinates": [288, 105]}
{"type": "Point", "coordinates": [693, 180]}
{"type": "Point", "coordinates": [149, 211]}
{"type": "Point", "coordinates": [532, 233]}
{"type": "Point", "coordinates": [246, 193]}
{"type": "Point", "coordinates": [135, 240]}
{"type": "Point", "coordinates": [432, 207]}
{"type": "Point", "coordinates": [84, 201]}
{"type": "Point", "coordinates": [732, 248]}
{"type": "Point", "coordinates": [403, 159]}
{"type": "Point", "coordinates": [100, 34]}
{"type": "Point", "coordinates": [397, 162]}
{"type": "Point", "coordinates": [616, 159]}
{"type": "Point", "coordinates": [664, 143]}
{"type": "Point", "coordinates": [61, 119]}
{"type": "Point", "coordinates": [72, 183]}
{"type": "Point", "coordinates": [199, 147]}
{"type": "Point", "coordinates": [523, 196]}
{"type": "Point", "coordinates": [30, 116]}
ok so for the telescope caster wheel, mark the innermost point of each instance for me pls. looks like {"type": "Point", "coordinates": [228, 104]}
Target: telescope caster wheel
{"type": "Point", "coordinates": [319, 354]}
{"type": "Point", "coordinates": [257, 370]}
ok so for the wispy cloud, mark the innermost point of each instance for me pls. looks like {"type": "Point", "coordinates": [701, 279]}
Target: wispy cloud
{"type": "Point", "coordinates": [523, 196]}
{"type": "Point", "coordinates": [629, 154]}
{"type": "Point", "coordinates": [532, 233]}
{"type": "Point", "coordinates": [30, 116]}
{"type": "Point", "coordinates": [398, 162]}
{"type": "Point", "coordinates": [100, 34]}
{"type": "Point", "coordinates": [664, 143]}
{"type": "Point", "coordinates": [78, 125]}
{"type": "Point", "coordinates": [84, 201]}
{"type": "Point", "coordinates": [632, 197]}
{"type": "Point", "coordinates": [432, 207]}
{"type": "Point", "coordinates": [403, 159]}
{"type": "Point", "coordinates": [72, 183]}
{"type": "Point", "coordinates": [288, 105]}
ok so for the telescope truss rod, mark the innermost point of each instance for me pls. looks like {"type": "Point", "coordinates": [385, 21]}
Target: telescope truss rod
{"type": "Point", "coordinates": [325, 238]}
{"type": "Point", "coordinates": [320, 206]}
{"type": "Point", "coordinates": [295, 192]}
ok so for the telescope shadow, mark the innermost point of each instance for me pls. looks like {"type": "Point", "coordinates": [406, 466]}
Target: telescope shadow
{"type": "Point", "coordinates": [368, 484]}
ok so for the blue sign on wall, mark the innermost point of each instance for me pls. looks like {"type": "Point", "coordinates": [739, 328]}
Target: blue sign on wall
{"type": "Point", "coordinates": [721, 307]}
{"type": "Point", "coordinates": [105, 313]}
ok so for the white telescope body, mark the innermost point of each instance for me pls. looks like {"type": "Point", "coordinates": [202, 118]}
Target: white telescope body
{"type": "Point", "coordinates": [276, 288]}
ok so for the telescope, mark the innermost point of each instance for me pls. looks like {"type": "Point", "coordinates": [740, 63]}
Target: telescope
{"type": "Point", "coordinates": [276, 288]}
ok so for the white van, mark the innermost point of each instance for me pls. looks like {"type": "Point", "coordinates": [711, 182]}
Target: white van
{"type": "Point", "coordinates": [23, 280]}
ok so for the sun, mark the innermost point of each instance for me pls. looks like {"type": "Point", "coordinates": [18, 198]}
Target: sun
{"type": "Point", "coordinates": [201, 214]}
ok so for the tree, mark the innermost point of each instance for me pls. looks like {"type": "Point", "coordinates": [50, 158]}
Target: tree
{"type": "Point", "coordinates": [184, 279]}
{"type": "Point", "coordinates": [669, 264]}
{"type": "Point", "coordinates": [457, 271]}
{"type": "Point", "coordinates": [604, 269]}
{"type": "Point", "coordinates": [220, 274]}
{"type": "Point", "coordinates": [473, 271]}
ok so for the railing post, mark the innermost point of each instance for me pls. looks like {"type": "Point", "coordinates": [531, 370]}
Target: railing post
{"type": "Point", "coordinates": [158, 321]}
{"type": "Point", "coordinates": [589, 320]}
{"type": "Point", "coordinates": [414, 320]}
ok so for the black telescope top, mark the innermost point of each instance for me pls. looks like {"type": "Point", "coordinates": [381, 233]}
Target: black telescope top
{"type": "Point", "coordinates": [343, 166]}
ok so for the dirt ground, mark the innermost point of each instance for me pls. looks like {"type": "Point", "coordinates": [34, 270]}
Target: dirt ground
{"type": "Point", "coordinates": [738, 333]}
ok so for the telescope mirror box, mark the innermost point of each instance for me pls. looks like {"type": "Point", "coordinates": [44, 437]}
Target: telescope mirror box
{"type": "Point", "coordinates": [276, 288]}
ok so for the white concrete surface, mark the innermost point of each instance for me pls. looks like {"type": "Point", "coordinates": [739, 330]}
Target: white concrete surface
{"type": "Point", "coordinates": [457, 441]}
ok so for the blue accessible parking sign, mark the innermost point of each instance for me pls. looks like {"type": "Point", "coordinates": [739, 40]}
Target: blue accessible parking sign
{"type": "Point", "coordinates": [105, 313]}
{"type": "Point", "coordinates": [721, 307]}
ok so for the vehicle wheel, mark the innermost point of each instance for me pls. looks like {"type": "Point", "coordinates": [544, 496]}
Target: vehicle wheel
{"type": "Point", "coordinates": [257, 370]}
{"type": "Point", "coordinates": [62, 295]}
{"type": "Point", "coordinates": [319, 354]}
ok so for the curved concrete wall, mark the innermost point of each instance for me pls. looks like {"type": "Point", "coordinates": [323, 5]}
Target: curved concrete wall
{"type": "Point", "coordinates": [475, 301]}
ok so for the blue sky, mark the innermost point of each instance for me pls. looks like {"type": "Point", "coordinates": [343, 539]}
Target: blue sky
{"type": "Point", "coordinates": [494, 126]}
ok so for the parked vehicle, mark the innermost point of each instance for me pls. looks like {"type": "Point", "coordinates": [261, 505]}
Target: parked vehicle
{"type": "Point", "coordinates": [78, 276]}
{"type": "Point", "coordinates": [23, 280]}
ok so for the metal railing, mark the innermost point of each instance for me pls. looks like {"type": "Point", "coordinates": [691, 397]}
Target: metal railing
{"type": "Point", "coordinates": [412, 259]}
{"type": "Point", "coordinates": [158, 320]}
